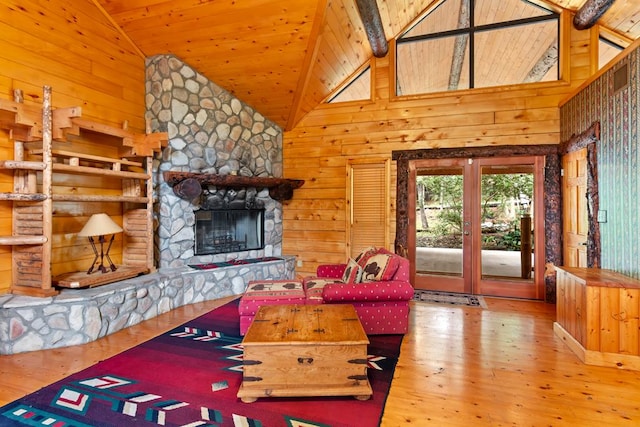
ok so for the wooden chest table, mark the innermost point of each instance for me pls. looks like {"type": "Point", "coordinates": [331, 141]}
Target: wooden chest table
{"type": "Point", "coordinates": [305, 350]}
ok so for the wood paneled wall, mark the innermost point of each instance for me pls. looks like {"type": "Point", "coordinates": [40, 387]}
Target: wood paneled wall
{"type": "Point", "coordinates": [74, 48]}
{"type": "Point", "coordinates": [319, 148]}
{"type": "Point", "coordinates": [71, 46]}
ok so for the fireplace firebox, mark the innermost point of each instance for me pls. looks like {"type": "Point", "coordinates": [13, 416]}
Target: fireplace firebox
{"type": "Point", "coordinates": [220, 231]}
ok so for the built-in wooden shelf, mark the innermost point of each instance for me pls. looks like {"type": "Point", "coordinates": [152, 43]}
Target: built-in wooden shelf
{"type": "Point", "coordinates": [40, 134]}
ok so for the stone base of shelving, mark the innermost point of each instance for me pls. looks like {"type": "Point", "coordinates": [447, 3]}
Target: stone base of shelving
{"type": "Point", "coordinates": [78, 316]}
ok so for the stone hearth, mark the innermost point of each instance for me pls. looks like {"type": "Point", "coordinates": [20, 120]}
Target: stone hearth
{"type": "Point", "coordinates": [78, 316]}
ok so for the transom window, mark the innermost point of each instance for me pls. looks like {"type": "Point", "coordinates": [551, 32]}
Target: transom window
{"type": "Point", "coordinates": [463, 44]}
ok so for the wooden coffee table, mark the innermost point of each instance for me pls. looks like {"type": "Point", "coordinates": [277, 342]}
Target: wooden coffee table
{"type": "Point", "coordinates": [305, 350]}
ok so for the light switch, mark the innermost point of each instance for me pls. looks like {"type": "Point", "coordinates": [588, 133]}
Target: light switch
{"type": "Point", "coordinates": [602, 216]}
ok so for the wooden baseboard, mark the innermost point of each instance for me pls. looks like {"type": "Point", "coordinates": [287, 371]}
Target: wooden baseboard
{"type": "Point", "coordinates": [597, 358]}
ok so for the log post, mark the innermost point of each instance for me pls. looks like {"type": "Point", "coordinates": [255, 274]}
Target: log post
{"type": "Point", "coordinates": [526, 246]}
{"type": "Point", "coordinates": [370, 16]}
{"type": "Point", "coordinates": [590, 12]}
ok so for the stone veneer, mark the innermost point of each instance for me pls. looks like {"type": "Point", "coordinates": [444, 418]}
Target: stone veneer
{"type": "Point", "coordinates": [78, 316]}
{"type": "Point", "coordinates": [210, 131]}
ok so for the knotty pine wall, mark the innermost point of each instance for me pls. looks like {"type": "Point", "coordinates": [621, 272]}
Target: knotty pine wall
{"type": "Point", "coordinates": [320, 147]}
{"type": "Point", "coordinates": [70, 46]}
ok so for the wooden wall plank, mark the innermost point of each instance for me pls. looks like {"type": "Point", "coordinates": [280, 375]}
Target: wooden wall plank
{"type": "Point", "coordinates": [71, 46]}
{"type": "Point", "coordinates": [514, 115]}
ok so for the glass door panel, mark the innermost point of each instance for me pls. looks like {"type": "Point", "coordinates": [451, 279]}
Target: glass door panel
{"type": "Point", "coordinates": [506, 201]}
{"type": "Point", "coordinates": [439, 221]}
{"type": "Point", "coordinates": [440, 212]}
{"type": "Point", "coordinates": [510, 204]}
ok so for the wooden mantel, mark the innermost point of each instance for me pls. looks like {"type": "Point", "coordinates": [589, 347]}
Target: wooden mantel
{"type": "Point", "coordinates": [188, 185]}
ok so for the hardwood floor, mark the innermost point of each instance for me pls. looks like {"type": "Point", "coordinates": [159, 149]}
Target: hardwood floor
{"type": "Point", "coordinates": [24, 373]}
{"type": "Point", "coordinates": [502, 366]}
{"type": "Point", "coordinates": [459, 366]}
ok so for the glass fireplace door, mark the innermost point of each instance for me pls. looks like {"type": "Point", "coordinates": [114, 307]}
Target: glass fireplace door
{"type": "Point", "coordinates": [229, 230]}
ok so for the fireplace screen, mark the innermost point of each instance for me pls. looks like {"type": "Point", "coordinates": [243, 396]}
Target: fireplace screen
{"type": "Point", "coordinates": [229, 230]}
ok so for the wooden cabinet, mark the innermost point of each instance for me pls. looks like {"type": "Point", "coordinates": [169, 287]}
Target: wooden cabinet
{"type": "Point", "coordinates": [60, 143]}
{"type": "Point", "coordinates": [597, 316]}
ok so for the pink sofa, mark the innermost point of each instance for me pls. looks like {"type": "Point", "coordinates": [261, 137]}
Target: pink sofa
{"type": "Point", "coordinates": [380, 295]}
{"type": "Point", "coordinates": [376, 283]}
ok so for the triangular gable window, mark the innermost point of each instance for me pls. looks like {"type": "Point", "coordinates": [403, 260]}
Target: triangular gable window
{"type": "Point", "coordinates": [358, 89]}
{"type": "Point", "coordinates": [463, 44]}
{"type": "Point", "coordinates": [607, 50]}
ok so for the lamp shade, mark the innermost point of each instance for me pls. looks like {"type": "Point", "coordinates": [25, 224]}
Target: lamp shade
{"type": "Point", "coordinates": [99, 225]}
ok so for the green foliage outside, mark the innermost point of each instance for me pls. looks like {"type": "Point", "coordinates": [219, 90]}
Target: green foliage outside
{"type": "Point", "coordinates": [505, 198]}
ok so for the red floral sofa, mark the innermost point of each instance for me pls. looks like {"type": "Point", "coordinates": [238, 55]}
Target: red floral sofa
{"type": "Point", "coordinates": [376, 283]}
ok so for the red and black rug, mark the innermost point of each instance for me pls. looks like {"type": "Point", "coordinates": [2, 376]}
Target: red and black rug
{"type": "Point", "coordinates": [189, 377]}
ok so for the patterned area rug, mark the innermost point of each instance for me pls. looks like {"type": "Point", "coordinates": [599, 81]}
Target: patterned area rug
{"type": "Point", "coordinates": [190, 376]}
{"type": "Point", "coordinates": [449, 298]}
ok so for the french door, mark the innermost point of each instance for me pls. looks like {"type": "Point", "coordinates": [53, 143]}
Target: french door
{"type": "Point", "coordinates": [477, 225]}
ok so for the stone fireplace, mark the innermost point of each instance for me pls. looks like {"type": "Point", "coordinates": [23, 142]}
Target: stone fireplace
{"type": "Point", "coordinates": [210, 131]}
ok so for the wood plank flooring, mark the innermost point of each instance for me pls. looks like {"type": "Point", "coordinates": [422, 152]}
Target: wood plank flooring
{"type": "Point", "coordinates": [500, 366]}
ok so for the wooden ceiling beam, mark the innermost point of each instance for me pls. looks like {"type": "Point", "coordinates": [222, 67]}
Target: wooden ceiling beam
{"type": "Point", "coordinates": [540, 69]}
{"type": "Point", "coordinates": [302, 87]}
{"type": "Point", "coordinates": [590, 12]}
{"type": "Point", "coordinates": [370, 16]}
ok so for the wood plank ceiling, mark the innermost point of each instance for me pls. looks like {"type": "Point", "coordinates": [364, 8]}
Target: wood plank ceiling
{"type": "Point", "coordinates": [284, 57]}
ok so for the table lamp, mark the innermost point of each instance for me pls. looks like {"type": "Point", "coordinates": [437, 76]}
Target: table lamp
{"type": "Point", "coordinates": [100, 225]}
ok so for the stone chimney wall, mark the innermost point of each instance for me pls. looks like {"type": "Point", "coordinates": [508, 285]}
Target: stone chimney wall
{"type": "Point", "coordinates": [210, 131]}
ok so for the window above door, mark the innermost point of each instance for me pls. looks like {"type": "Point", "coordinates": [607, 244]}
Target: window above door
{"type": "Point", "coordinates": [465, 44]}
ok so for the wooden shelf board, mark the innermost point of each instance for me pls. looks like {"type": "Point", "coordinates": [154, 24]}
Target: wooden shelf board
{"type": "Point", "coordinates": [20, 164]}
{"type": "Point", "coordinates": [23, 197]}
{"type": "Point", "coordinates": [83, 170]}
{"type": "Point", "coordinates": [80, 279]}
{"type": "Point", "coordinates": [23, 240]}
{"type": "Point", "coordinates": [92, 198]}
{"type": "Point", "coordinates": [100, 159]}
